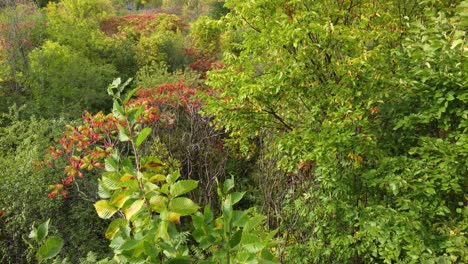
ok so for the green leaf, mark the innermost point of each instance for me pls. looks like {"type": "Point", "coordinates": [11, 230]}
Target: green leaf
{"type": "Point", "coordinates": [114, 227]}
{"type": "Point", "coordinates": [104, 209]}
{"type": "Point", "coordinates": [152, 163]}
{"type": "Point", "coordinates": [172, 178]}
{"type": "Point", "coordinates": [182, 187]}
{"type": "Point", "coordinates": [134, 114]}
{"type": "Point", "coordinates": [103, 192]}
{"type": "Point", "coordinates": [228, 185]}
{"type": "Point", "coordinates": [142, 136]}
{"type": "Point", "coordinates": [133, 209]}
{"type": "Point", "coordinates": [158, 203]}
{"type": "Point", "coordinates": [109, 182]}
{"type": "Point", "coordinates": [124, 134]}
{"type": "Point", "coordinates": [50, 248]}
{"type": "Point", "coordinates": [130, 95]}
{"type": "Point", "coordinates": [236, 197]}
{"type": "Point", "coordinates": [119, 198]}
{"type": "Point", "coordinates": [235, 239]}
{"type": "Point", "coordinates": [162, 231]}
{"type": "Point", "coordinates": [117, 110]}
{"type": "Point", "coordinates": [157, 178]}
{"type": "Point", "coordinates": [111, 164]}
{"type": "Point", "coordinates": [183, 206]}
{"type": "Point", "coordinates": [208, 214]}
{"type": "Point", "coordinates": [42, 231]}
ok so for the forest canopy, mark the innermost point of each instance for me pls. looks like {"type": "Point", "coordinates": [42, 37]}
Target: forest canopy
{"type": "Point", "coordinates": [209, 131]}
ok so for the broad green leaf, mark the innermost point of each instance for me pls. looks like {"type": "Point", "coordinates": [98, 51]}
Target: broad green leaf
{"type": "Point", "coordinates": [165, 189]}
{"type": "Point", "coordinates": [162, 231]}
{"type": "Point", "coordinates": [130, 95]}
{"type": "Point", "coordinates": [253, 222]}
{"type": "Point", "coordinates": [182, 187]}
{"type": "Point", "coordinates": [104, 209]}
{"type": "Point", "coordinates": [124, 134]}
{"type": "Point", "coordinates": [114, 227]}
{"type": "Point", "coordinates": [228, 185]}
{"type": "Point", "coordinates": [131, 244]}
{"type": "Point", "coordinates": [151, 250]}
{"type": "Point", "coordinates": [119, 198]}
{"type": "Point", "coordinates": [133, 208]}
{"type": "Point", "coordinates": [134, 114]}
{"type": "Point", "coordinates": [158, 203]}
{"type": "Point", "coordinates": [109, 183]}
{"type": "Point", "coordinates": [50, 248]}
{"type": "Point", "coordinates": [183, 206]}
{"type": "Point", "coordinates": [117, 110]}
{"type": "Point", "coordinates": [172, 178]}
{"type": "Point", "coordinates": [236, 197]}
{"type": "Point", "coordinates": [235, 239]}
{"type": "Point", "coordinates": [208, 214]}
{"type": "Point", "coordinates": [254, 247]}
{"type": "Point", "coordinates": [103, 192]}
{"type": "Point", "coordinates": [144, 133]}
{"type": "Point", "coordinates": [42, 231]}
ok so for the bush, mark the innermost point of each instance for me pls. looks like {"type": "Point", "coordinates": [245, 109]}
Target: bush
{"type": "Point", "coordinates": [65, 82]}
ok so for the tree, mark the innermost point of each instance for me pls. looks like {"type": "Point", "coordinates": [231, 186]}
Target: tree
{"type": "Point", "coordinates": [319, 85]}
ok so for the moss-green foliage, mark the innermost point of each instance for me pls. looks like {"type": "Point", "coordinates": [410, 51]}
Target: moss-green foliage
{"type": "Point", "coordinates": [22, 28]}
{"type": "Point", "coordinates": [24, 193]}
{"type": "Point", "coordinates": [68, 79]}
{"type": "Point", "coordinates": [206, 33]}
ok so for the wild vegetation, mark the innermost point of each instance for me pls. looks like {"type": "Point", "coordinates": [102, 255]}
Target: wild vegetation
{"type": "Point", "coordinates": [206, 131]}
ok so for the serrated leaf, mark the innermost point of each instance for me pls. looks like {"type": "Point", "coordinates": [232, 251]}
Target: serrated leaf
{"type": "Point", "coordinates": [182, 187]}
{"type": "Point", "coordinates": [133, 208]}
{"type": "Point", "coordinates": [50, 248]}
{"type": "Point", "coordinates": [114, 227]}
{"type": "Point", "coordinates": [104, 209]}
{"type": "Point", "coordinates": [144, 133]}
{"type": "Point", "coordinates": [183, 206]}
{"type": "Point", "coordinates": [124, 134]}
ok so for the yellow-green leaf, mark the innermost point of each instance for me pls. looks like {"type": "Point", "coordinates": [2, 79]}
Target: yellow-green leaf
{"type": "Point", "coordinates": [133, 208]}
{"type": "Point", "coordinates": [104, 209]}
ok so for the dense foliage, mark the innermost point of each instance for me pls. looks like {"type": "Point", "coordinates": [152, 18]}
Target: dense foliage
{"type": "Point", "coordinates": [343, 123]}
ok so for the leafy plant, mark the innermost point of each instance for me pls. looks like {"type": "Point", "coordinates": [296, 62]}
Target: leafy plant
{"type": "Point", "coordinates": [48, 247]}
